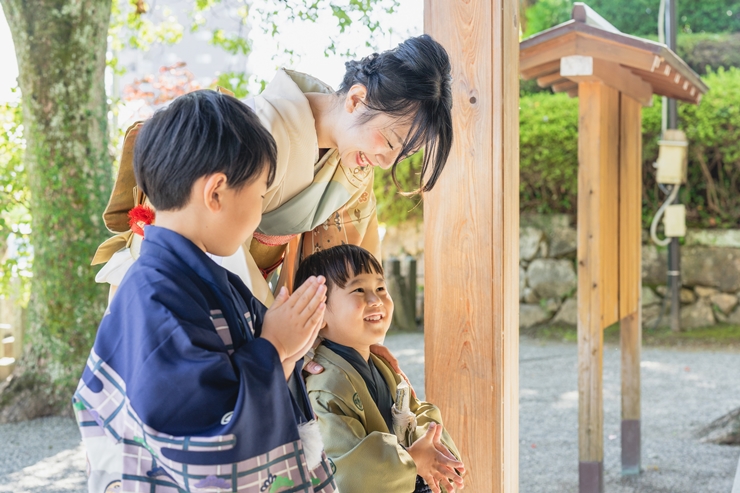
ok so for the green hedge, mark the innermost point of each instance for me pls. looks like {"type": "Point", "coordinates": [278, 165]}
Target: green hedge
{"type": "Point", "coordinates": [703, 52]}
{"type": "Point", "coordinates": [549, 154]}
{"type": "Point", "coordinates": [640, 17]}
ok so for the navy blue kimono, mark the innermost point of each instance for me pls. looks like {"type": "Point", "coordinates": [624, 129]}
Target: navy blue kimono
{"type": "Point", "coordinates": [181, 394]}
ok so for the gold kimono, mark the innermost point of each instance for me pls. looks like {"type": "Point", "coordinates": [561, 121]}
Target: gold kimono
{"type": "Point", "coordinates": [315, 202]}
{"type": "Point", "coordinates": [367, 455]}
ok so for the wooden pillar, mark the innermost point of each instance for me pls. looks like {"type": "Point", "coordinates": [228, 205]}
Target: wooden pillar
{"type": "Point", "coordinates": [598, 224]}
{"type": "Point", "coordinates": [472, 244]}
{"type": "Point", "coordinates": [630, 277]}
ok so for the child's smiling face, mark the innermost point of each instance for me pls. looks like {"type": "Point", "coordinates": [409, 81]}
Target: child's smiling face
{"type": "Point", "coordinates": [359, 314]}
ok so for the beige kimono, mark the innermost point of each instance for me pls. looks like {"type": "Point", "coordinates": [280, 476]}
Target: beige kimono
{"type": "Point", "coordinates": [313, 204]}
{"type": "Point", "coordinates": [367, 456]}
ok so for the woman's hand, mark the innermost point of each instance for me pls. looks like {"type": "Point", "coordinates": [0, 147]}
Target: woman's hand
{"type": "Point", "coordinates": [383, 352]}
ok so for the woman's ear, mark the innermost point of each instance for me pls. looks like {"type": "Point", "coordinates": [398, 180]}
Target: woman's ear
{"type": "Point", "coordinates": [355, 98]}
{"type": "Point", "coordinates": [213, 192]}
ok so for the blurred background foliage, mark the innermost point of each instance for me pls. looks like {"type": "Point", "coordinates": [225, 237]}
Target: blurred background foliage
{"type": "Point", "coordinates": [549, 154]}
{"type": "Point", "coordinates": [639, 17]}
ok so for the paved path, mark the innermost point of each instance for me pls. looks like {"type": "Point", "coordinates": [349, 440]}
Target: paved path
{"type": "Point", "coordinates": [682, 390]}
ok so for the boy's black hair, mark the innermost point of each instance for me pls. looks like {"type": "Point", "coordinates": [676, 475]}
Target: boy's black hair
{"type": "Point", "coordinates": [198, 134]}
{"type": "Point", "coordinates": [412, 79]}
{"type": "Point", "coordinates": [337, 264]}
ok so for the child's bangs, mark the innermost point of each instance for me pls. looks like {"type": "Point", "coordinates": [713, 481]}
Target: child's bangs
{"type": "Point", "coordinates": [355, 262]}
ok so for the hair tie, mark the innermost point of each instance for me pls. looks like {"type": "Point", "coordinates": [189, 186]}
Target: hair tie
{"type": "Point", "coordinates": [369, 64]}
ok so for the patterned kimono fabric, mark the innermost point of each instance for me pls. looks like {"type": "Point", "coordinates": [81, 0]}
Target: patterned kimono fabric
{"type": "Point", "coordinates": [181, 394]}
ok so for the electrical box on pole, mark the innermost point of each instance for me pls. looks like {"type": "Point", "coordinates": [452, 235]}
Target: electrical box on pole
{"type": "Point", "coordinates": [672, 158]}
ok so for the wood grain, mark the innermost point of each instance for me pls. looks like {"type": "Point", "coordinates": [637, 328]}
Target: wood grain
{"type": "Point", "coordinates": [608, 138]}
{"type": "Point", "coordinates": [592, 96]}
{"type": "Point", "coordinates": [630, 245]}
{"type": "Point", "coordinates": [471, 244]}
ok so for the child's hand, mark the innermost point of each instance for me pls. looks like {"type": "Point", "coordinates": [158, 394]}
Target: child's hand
{"type": "Point", "coordinates": [433, 462]}
{"type": "Point", "coordinates": [292, 322]}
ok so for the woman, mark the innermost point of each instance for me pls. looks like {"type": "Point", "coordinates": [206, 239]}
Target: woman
{"type": "Point", "coordinates": [388, 106]}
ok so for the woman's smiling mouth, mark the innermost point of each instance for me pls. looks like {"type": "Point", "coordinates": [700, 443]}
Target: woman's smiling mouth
{"type": "Point", "coordinates": [362, 160]}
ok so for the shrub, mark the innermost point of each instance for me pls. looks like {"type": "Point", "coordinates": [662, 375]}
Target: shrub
{"type": "Point", "coordinates": [549, 154]}
{"type": "Point", "coordinates": [709, 51]}
{"type": "Point", "coordinates": [640, 17]}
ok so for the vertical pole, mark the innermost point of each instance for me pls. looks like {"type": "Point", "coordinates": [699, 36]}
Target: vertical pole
{"type": "Point", "coordinates": [598, 148]}
{"type": "Point", "coordinates": [630, 278]}
{"type": "Point", "coordinates": [472, 243]}
{"type": "Point", "coordinates": [674, 252]}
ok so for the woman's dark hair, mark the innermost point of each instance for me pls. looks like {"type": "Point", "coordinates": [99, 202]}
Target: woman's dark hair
{"type": "Point", "coordinates": [198, 134]}
{"type": "Point", "coordinates": [411, 79]}
{"type": "Point", "coordinates": [337, 264]}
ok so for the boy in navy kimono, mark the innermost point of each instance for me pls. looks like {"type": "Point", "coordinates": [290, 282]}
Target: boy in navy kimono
{"type": "Point", "coordinates": [379, 436]}
{"type": "Point", "coordinates": [192, 384]}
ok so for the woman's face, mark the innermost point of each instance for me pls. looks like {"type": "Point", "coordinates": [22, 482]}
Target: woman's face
{"type": "Point", "coordinates": [375, 142]}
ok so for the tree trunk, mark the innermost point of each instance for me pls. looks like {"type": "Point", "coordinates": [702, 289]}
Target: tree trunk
{"type": "Point", "coordinates": [60, 46]}
{"type": "Point", "coordinates": [724, 430]}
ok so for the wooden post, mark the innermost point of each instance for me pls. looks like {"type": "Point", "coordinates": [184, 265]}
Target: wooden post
{"type": "Point", "coordinates": [472, 244]}
{"type": "Point", "coordinates": [630, 279]}
{"type": "Point", "coordinates": [598, 185]}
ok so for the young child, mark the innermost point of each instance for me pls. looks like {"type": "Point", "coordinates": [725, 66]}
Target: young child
{"type": "Point", "coordinates": [379, 437]}
{"type": "Point", "coordinates": [192, 384]}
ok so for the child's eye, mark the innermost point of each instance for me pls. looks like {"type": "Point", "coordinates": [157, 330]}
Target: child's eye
{"type": "Point", "coordinates": [359, 290]}
{"type": "Point", "coordinates": [381, 288]}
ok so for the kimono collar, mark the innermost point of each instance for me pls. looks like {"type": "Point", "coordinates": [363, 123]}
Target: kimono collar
{"type": "Point", "coordinates": [325, 185]}
{"type": "Point", "coordinates": [376, 384]}
{"type": "Point", "coordinates": [164, 244]}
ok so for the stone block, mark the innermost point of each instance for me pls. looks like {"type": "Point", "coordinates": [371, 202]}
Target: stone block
{"type": "Point", "coordinates": [700, 314]}
{"type": "Point", "coordinates": [648, 297]}
{"type": "Point", "coordinates": [650, 316]}
{"type": "Point", "coordinates": [542, 252]}
{"type": "Point", "coordinates": [724, 301]}
{"type": "Point", "coordinates": [522, 282]}
{"type": "Point", "coordinates": [705, 292]}
{"type": "Point", "coordinates": [530, 296]}
{"type": "Point", "coordinates": [529, 242]}
{"type": "Point", "coordinates": [654, 265]}
{"type": "Point", "coordinates": [713, 237]}
{"type": "Point", "coordinates": [531, 315]}
{"type": "Point", "coordinates": [563, 242]}
{"type": "Point", "coordinates": [568, 313]}
{"type": "Point", "coordinates": [687, 296]}
{"type": "Point", "coordinates": [546, 222]}
{"type": "Point", "coordinates": [552, 305]}
{"type": "Point", "coordinates": [711, 266]}
{"type": "Point", "coordinates": [551, 278]}
{"type": "Point", "coordinates": [734, 317]}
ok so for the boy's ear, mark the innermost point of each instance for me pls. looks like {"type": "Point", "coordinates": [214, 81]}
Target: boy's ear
{"type": "Point", "coordinates": [355, 98]}
{"type": "Point", "coordinates": [213, 191]}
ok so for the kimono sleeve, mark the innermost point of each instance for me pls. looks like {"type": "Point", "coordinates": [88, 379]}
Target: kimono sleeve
{"type": "Point", "coordinates": [366, 463]}
{"type": "Point", "coordinates": [427, 413]}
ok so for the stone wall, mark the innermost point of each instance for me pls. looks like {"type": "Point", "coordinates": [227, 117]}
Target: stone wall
{"type": "Point", "coordinates": [710, 274]}
{"type": "Point", "coordinates": [710, 270]}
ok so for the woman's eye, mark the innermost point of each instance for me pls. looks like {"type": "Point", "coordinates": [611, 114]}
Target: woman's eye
{"type": "Point", "coordinates": [389, 144]}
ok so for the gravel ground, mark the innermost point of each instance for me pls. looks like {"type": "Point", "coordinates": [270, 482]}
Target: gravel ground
{"type": "Point", "coordinates": [682, 390]}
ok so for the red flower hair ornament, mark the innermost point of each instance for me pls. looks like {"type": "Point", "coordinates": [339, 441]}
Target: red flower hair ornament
{"type": "Point", "coordinates": [140, 216]}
